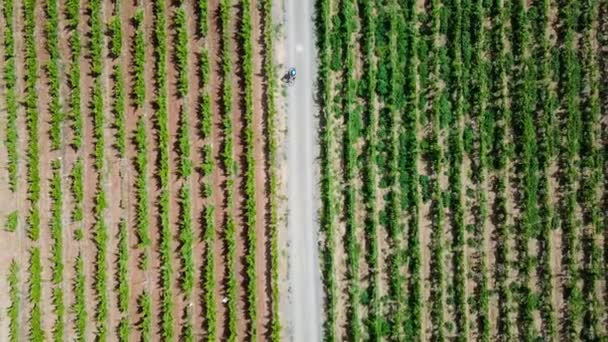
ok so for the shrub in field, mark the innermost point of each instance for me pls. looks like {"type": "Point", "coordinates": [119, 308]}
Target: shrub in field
{"type": "Point", "coordinates": [12, 220]}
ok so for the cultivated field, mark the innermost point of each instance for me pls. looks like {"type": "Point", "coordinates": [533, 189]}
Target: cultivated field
{"type": "Point", "coordinates": [138, 192]}
{"type": "Point", "coordinates": [464, 167]}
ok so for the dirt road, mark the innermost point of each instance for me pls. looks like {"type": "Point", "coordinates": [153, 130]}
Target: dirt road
{"type": "Point", "coordinates": [304, 307]}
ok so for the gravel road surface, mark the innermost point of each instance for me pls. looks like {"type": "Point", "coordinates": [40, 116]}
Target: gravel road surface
{"type": "Point", "coordinates": [304, 307]}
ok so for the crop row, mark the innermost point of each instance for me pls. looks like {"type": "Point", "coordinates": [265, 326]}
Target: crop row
{"type": "Point", "coordinates": [141, 184]}
{"type": "Point", "coordinates": [435, 156]}
{"type": "Point", "coordinates": [73, 17]}
{"type": "Point", "coordinates": [207, 168]}
{"type": "Point", "coordinates": [119, 94]}
{"type": "Point", "coordinates": [31, 117]}
{"type": "Point", "coordinates": [186, 235]}
{"type": "Point", "coordinates": [10, 79]}
{"type": "Point", "coordinates": [184, 169]}
{"type": "Point", "coordinates": [57, 250]}
{"type": "Point", "coordinates": [249, 167]}
{"type": "Point", "coordinates": [36, 332]}
{"type": "Point", "coordinates": [203, 25]}
{"type": "Point", "coordinates": [545, 148]}
{"type": "Point", "coordinates": [347, 103]}
{"type": "Point", "coordinates": [273, 180]}
{"type": "Point", "coordinates": [181, 51]}
{"type": "Point", "coordinates": [139, 60]}
{"type": "Point", "coordinates": [229, 166]}
{"type": "Point", "coordinates": [591, 173]}
{"type": "Point", "coordinates": [370, 177]}
{"type": "Point", "coordinates": [122, 279]}
{"type": "Point", "coordinates": [569, 81]}
{"type": "Point", "coordinates": [77, 189]}
{"type": "Point", "coordinates": [14, 297]}
{"type": "Point", "coordinates": [52, 68]}
{"type": "Point", "coordinates": [327, 214]}
{"type": "Point", "coordinates": [456, 84]}
{"type": "Point", "coordinates": [145, 324]}
{"type": "Point", "coordinates": [524, 130]}
{"type": "Point", "coordinates": [479, 103]}
{"type": "Point", "coordinates": [501, 152]}
{"type": "Point", "coordinates": [100, 234]}
{"type": "Point", "coordinates": [160, 48]}
{"type": "Point", "coordinates": [409, 174]}
{"type": "Point", "coordinates": [78, 308]}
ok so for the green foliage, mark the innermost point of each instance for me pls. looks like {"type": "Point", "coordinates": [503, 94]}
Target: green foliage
{"type": "Point", "coordinates": [145, 324]}
{"type": "Point", "coordinates": [269, 72]}
{"type": "Point", "coordinates": [186, 239]}
{"type": "Point", "coordinates": [31, 120]}
{"type": "Point", "coordinates": [327, 213]}
{"type": "Point", "coordinates": [209, 272]}
{"type": "Point", "coordinates": [249, 168]}
{"type": "Point", "coordinates": [181, 51]}
{"type": "Point", "coordinates": [57, 250]}
{"type": "Point", "coordinates": [115, 28]}
{"type": "Point", "coordinates": [229, 166]}
{"type": "Point", "coordinates": [36, 332]}
{"type": "Point", "coordinates": [79, 306]}
{"type": "Point", "coordinates": [52, 69]}
{"type": "Point", "coordinates": [122, 274]}
{"type": "Point", "coordinates": [119, 111]}
{"type": "Point", "coordinates": [122, 279]}
{"type": "Point", "coordinates": [12, 220]}
{"type": "Point", "coordinates": [141, 184]}
{"type": "Point", "coordinates": [14, 297]}
{"type": "Point", "coordinates": [184, 169]}
{"type": "Point", "coordinates": [77, 188]}
{"type": "Point", "coordinates": [73, 16]}
{"type": "Point", "coordinates": [160, 49]}
{"type": "Point", "coordinates": [202, 17]}
{"type": "Point", "coordinates": [10, 79]}
{"type": "Point", "coordinates": [139, 60]}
